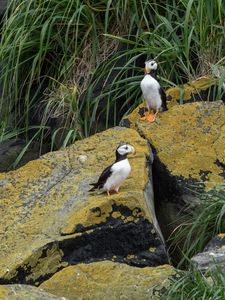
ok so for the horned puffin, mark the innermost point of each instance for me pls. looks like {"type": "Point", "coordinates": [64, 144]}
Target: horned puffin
{"type": "Point", "coordinates": [153, 94]}
{"type": "Point", "coordinates": [114, 175]}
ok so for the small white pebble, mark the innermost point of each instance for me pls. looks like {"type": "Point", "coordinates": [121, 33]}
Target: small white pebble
{"type": "Point", "coordinates": [82, 158]}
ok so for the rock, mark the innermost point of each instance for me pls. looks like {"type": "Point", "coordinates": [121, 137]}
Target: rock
{"type": "Point", "coordinates": [188, 143]}
{"type": "Point", "coordinates": [49, 220]}
{"type": "Point", "coordinates": [25, 292]}
{"type": "Point", "coordinates": [109, 281]}
{"type": "Point", "coordinates": [216, 243]}
{"type": "Point", "coordinates": [202, 89]}
{"type": "Point", "coordinates": [10, 150]}
{"type": "Point", "coordinates": [213, 256]}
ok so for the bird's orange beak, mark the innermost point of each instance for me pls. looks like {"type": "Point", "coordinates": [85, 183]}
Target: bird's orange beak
{"type": "Point", "coordinates": [147, 70]}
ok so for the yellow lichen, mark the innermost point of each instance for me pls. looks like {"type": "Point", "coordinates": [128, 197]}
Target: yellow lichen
{"type": "Point", "coordinates": [130, 256]}
{"type": "Point", "coordinates": [152, 249]}
{"type": "Point", "coordinates": [189, 139]}
{"type": "Point", "coordinates": [109, 280]}
{"type": "Point", "coordinates": [49, 196]}
{"type": "Point", "coordinates": [221, 235]}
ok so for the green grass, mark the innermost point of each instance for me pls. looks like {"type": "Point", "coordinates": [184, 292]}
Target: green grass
{"type": "Point", "coordinates": [202, 224]}
{"type": "Point", "coordinates": [86, 46]}
{"type": "Point", "coordinates": [205, 221]}
{"type": "Point", "coordinates": [186, 39]}
{"type": "Point", "coordinates": [195, 285]}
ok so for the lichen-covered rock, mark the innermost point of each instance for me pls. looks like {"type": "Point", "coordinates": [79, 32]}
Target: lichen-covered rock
{"type": "Point", "coordinates": [188, 142]}
{"type": "Point", "coordinates": [109, 281]}
{"type": "Point", "coordinates": [217, 242]}
{"type": "Point", "coordinates": [202, 89]}
{"type": "Point", "coordinates": [213, 256]}
{"type": "Point", "coordinates": [25, 292]}
{"type": "Point", "coordinates": [49, 219]}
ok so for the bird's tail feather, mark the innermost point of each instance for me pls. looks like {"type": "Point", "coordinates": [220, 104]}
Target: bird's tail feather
{"type": "Point", "coordinates": [94, 187]}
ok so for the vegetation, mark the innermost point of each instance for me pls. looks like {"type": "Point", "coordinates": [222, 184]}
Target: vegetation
{"type": "Point", "coordinates": [71, 68]}
{"type": "Point", "coordinates": [194, 285]}
{"type": "Point", "coordinates": [206, 221]}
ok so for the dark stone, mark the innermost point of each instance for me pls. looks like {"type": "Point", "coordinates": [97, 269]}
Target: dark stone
{"type": "Point", "coordinates": [142, 111]}
{"type": "Point", "coordinates": [10, 150]}
{"type": "Point", "coordinates": [221, 165]}
{"type": "Point", "coordinates": [125, 123]}
{"type": "Point", "coordinates": [204, 174]}
{"type": "Point", "coordinates": [172, 196]}
{"type": "Point", "coordinates": [215, 243]}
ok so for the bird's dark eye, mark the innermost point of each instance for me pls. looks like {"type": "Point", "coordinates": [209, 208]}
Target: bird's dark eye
{"type": "Point", "coordinates": [126, 148]}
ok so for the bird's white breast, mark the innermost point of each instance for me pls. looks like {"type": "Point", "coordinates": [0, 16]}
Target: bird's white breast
{"type": "Point", "coordinates": [120, 171]}
{"type": "Point", "coordinates": [150, 89]}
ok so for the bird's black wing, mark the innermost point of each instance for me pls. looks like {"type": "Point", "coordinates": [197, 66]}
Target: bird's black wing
{"type": "Point", "coordinates": [163, 97]}
{"type": "Point", "coordinates": [102, 178]}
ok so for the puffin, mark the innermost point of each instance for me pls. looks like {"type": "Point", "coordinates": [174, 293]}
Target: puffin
{"type": "Point", "coordinates": [114, 175]}
{"type": "Point", "coordinates": [153, 93]}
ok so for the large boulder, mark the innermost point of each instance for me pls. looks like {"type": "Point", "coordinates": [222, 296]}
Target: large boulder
{"type": "Point", "coordinates": [49, 220]}
{"type": "Point", "coordinates": [109, 281]}
{"type": "Point", "coordinates": [188, 142]}
{"type": "Point", "coordinates": [213, 256]}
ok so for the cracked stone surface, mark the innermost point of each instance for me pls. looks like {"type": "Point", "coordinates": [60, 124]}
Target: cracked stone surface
{"type": "Point", "coordinates": [49, 220]}
{"type": "Point", "coordinates": [188, 143]}
{"type": "Point", "coordinates": [213, 256]}
{"type": "Point", "coordinates": [25, 292]}
{"type": "Point", "coordinates": [110, 281]}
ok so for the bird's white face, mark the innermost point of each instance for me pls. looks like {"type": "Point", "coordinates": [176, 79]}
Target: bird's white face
{"type": "Point", "coordinates": [149, 66]}
{"type": "Point", "coordinates": [125, 149]}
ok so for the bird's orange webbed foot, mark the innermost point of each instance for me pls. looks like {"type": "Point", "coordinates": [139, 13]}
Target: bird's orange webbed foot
{"type": "Point", "coordinates": [148, 117]}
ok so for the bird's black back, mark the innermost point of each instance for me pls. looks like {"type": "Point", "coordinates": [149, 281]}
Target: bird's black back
{"type": "Point", "coordinates": [161, 91]}
{"type": "Point", "coordinates": [106, 173]}
{"type": "Point", "coordinates": [102, 179]}
{"type": "Point", "coordinates": [163, 97]}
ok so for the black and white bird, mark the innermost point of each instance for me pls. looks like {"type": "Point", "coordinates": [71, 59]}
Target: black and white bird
{"type": "Point", "coordinates": [152, 92]}
{"type": "Point", "coordinates": [114, 175]}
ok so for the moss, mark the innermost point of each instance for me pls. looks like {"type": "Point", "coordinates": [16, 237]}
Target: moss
{"type": "Point", "coordinates": [108, 280]}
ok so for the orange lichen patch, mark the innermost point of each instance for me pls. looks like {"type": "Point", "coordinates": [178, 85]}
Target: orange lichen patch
{"type": "Point", "coordinates": [187, 90]}
{"type": "Point", "coordinates": [190, 140]}
{"type": "Point", "coordinates": [49, 196]}
{"type": "Point", "coordinates": [109, 280]}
